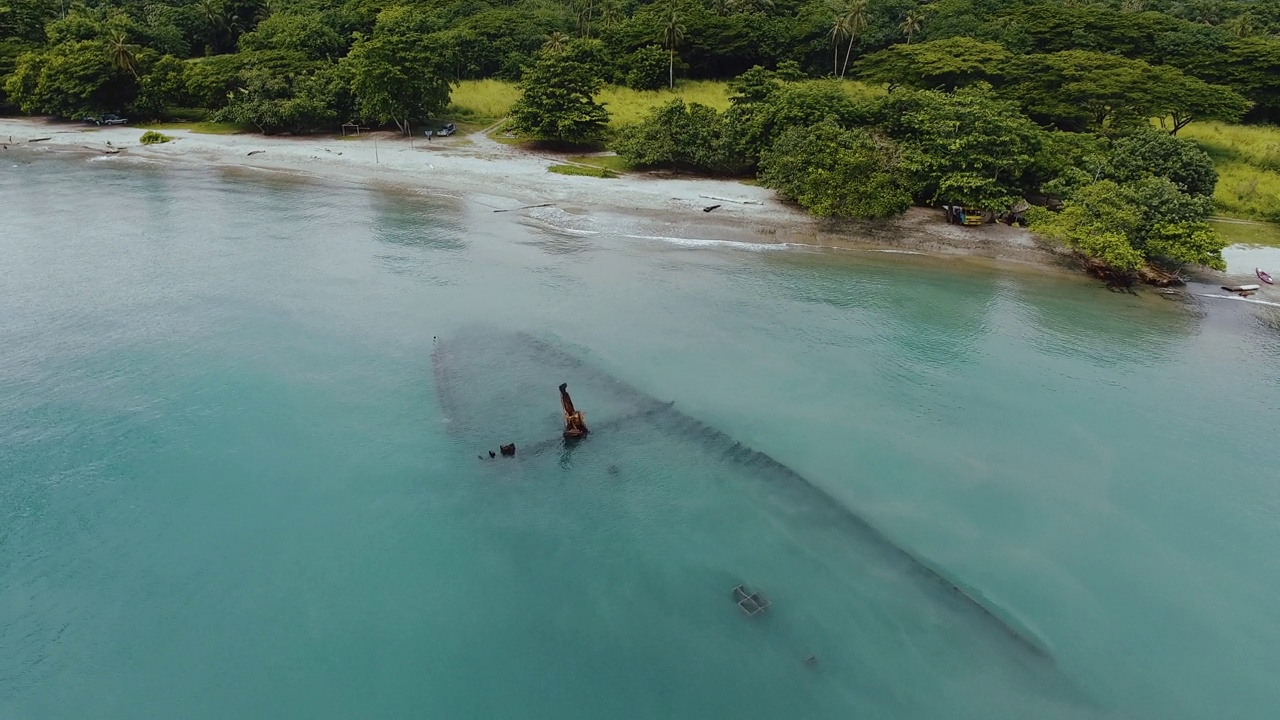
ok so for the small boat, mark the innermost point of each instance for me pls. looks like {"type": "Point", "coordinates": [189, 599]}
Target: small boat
{"type": "Point", "coordinates": [1264, 276]}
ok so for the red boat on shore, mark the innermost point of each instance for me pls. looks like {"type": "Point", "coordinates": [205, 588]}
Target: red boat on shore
{"type": "Point", "coordinates": [1264, 276]}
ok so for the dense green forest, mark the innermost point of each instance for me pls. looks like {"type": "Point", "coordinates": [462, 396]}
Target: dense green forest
{"type": "Point", "coordinates": [980, 103]}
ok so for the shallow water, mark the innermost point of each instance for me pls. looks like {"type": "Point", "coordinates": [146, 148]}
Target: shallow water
{"type": "Point", "coordinates": [240, 414]}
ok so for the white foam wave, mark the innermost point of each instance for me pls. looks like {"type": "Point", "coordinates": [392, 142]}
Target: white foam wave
{"type": "Point", "coordinates": [707, 243]}
{"type": "Point", "coordinates": [1241, 299]}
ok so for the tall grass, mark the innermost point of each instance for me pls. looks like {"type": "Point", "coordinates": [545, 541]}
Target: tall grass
{"type": "Point", "coordinates": [491, 100]}
{"type": "Point", "coordinates": [1248, 161]}
{"type": "Point", "coordinates": [483, 100]}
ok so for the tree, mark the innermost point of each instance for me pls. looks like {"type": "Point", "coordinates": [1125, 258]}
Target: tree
{"type": "Point", "coordinates": [122, 54]}
{"type": "Point", "coordinates": [73, 79]}
{"type": "Point", "coordinates": [308, 34]}
{"type": "Point", "coordinates": [912, 23]}
{"type": "Point", "coordinates": [400, 72]}
{"type": "Point", "coordinates": [759, 114]}
{"type": "Point", "coordinates": [855, 22]}
{"type": "Point", "coordinates": [943, 64]}
{"type": "Point", "coordinates": [672, 36]}
{"type": "Point", "coordinates": [557, 101]}
{"type": "Point", "coordinates": [678, 136]}
{"type": "Point", "coordinates": [1075, 89]}
{"type": "Point", "coordinates": [1096, 221]}
{"type": "Point", "coordinates": [556, 42]}
{"type": "Point", "coordinates": [276, 102]}
{"type": "Point", "coordinates": [838, 32]}
{"type": "Point", "coordinates": [1153, 153]}
{"type": "Point", "coordinates": [1184, 99]}
{"type": "Point", "coordinates": [644, 68]}
{"type": "Point", "coordinates": [162, 85]}
{"type": "Point", "coordinates": [1241, 26]}
{"type": "Point", "coordinates": [969, 147]}
{"type": "Point", "coordinates": [833, 172]}
{"type": "Point", "coordinates": [1124, 227]}
{"type": "Point", "coordinates": [1187, 243]}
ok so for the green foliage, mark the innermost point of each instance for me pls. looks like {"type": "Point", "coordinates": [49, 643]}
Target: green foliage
{"type": "Point", "coordinates": [582, 171]}
{"type": "Point", "coordinates": [1150, 152]}
{"type": "Point", "coordinates": [163, 84]}
{"type": "Point", "coordinates": [764, 108]}
{"type": "Point", "coordinates": [1077, 89]}
{"type": "Point", "coordinates": [1184, 99]}
{"type": "Point", "coordinates": [400, 73]}
{"type": "Point", "coordinates": [1097, 221]}
{"type": "Point", "coordinates": [646, 68]}
{"type": "Point", "coordinates": [1193, 243]}
{"type": "Point", "coordinates": [940, 64]}
{"type": "Point", "coordinates": [968, 147]}
{"type": "Point", "coordinates": [679, 136]}
{"type": "Point", "coordinates": [151, 137]}
{"type": "Point", "coordinates": [833, 172]}
{"type": "Point", "coordinates": [1247, 159]}
{"type": "Point", "coordinates": [210, 81]}
{"type": "Point", "coordinates": [306, 34]}
{"type": "Point", "coordinates": [74, 79]}
{"type": "Point", "coordinates": [557, 101]}
{"type": "Point", "coordinates": [285, 93]}
{"type": "Point", "coordinates": [1127, 226]}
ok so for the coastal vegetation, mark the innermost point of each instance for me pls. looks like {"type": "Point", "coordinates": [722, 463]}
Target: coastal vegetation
{"type": "Point", "coordinates": [1097, 113]}
{"type": "Point", "coordinates": [151, 137]}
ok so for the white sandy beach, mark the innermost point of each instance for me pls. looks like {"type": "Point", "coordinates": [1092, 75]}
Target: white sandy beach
{"type": "Point", "coordinates": [477, 168]}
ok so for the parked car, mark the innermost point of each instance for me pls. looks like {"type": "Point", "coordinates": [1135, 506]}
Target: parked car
{"type": "Point", "coordinates": [110, 119]}
{"type": "Point", "coordinates": [447, 130]}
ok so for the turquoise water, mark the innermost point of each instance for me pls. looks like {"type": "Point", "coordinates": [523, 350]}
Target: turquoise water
{"type": "Point", "coordinates": [240, 414]}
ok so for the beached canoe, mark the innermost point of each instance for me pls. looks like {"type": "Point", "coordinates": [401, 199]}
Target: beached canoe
{"type": "Point", "coordinates": [1264, 276]}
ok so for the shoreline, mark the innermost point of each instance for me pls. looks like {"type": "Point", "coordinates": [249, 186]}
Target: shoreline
{"type": "Point", "coordinates": [504, 178]}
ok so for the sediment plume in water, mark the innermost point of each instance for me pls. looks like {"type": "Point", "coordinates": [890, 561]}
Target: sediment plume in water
{"type": "Point", "coordinates": [448, 362]}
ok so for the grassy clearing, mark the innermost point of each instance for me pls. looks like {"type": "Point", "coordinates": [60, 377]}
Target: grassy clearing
{"type": "Point", "coordinates": [491, 100]}
{"type": "Point", "coordinates": [1248, 161]}
{"type": "Point", "coordinates": [483, 100]}
{"type": "Point", "coordinates": [1246, 232]}
{"type": "Point", "coordinates": [604, 162]}
{"type": "Point", "coordinates": [203, 127]}
{"type": "Point", "coordinates": [627, 106]}
{"type": "Point", "coordinates": [582, 170]}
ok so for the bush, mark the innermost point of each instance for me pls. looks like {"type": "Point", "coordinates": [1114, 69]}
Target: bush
{"type": "Point", "coordinates": [833, 172]}
{"type": "Point", "coordinates": [647, 69]}
{"type": "Point", "coordinates": [1151, 152]}
{"type": "Point", "coordinates": [679, 136]}
{"type": "Point", "coordinates": [151, 137]}
{"type": "Point", "coordinates": [582, 170]}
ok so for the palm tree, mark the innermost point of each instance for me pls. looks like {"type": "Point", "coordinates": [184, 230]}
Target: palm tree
{"type": "Point", "coordinates": [122, 54]}
{"type": "Point", "coordinates": [839, 31]}
{"type": "Point", "coordinates": [610, 13]}
{"type": "Point", "coordinates": [586, 13]}
{"type": "Point", "coordinates": [912, 23]}
{"type": "Point", "coordinates": [1241, 25]}
{"type": "Point", "coordinates": [672, 36]}
{"type": "Point", "coordinates": [855, 21]}
{"type": "Point", "coordinates": [556, 42]}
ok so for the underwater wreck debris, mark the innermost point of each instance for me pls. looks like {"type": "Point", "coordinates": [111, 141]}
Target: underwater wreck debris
{"type": "Point", "coordinates": [575, 426]}
{"type": "Point", "coordinates": [751, 602]}
{"type": "Point", "coordinates": [664, 415]}
{"type": "Point", "coordinates": [508, 450]}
